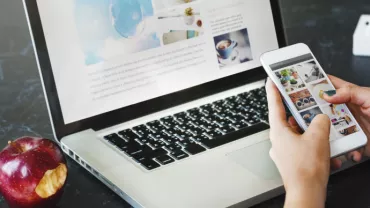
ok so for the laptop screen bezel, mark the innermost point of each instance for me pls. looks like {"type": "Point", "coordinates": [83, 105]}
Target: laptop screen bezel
{"type": "Point", "coordinates": [138, 110]}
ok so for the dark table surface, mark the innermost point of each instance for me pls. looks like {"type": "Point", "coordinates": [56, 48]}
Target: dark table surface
{"type": "Point", "coordinates": [326, 26]}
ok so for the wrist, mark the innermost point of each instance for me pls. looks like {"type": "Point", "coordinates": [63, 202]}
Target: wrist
{"type": "Point", "coordinates": [306, 195]}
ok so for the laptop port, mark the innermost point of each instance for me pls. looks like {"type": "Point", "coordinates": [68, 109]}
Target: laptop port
{"type": "Point", "coordinates": [95, 172]}
{"type": "Point", "coordinates": [70, 153]}
{"type": "Point", "coordinates": [77, 158]}
{"type": "Point", "coordinates": [88, 167]}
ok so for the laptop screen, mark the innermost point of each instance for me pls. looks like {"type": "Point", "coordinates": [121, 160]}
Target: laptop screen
{"type": "Point", "coordinates": [110, 54]}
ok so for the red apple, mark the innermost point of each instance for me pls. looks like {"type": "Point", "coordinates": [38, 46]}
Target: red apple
{"type": "Point", "coordinates": [33, 172]}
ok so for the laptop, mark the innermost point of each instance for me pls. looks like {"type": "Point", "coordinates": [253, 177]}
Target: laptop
{"type": "Point", "coordinates": [163, 104]}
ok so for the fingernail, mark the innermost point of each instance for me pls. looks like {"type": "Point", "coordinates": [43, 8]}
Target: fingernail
{"type": "Point", "coordinates": [353, 159]}
{"type": "Point", "coordinates": [331, 92]}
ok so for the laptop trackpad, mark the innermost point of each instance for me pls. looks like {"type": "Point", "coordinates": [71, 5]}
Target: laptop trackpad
{"type": "Point", "coordinates": [257, 160]}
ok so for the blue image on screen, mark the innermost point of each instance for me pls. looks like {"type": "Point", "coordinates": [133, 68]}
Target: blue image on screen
{"type": "Point", "coordinates": [100, 20]}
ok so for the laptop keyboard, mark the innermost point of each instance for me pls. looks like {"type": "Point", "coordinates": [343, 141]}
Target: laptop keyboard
{"type": "Point", "coordinates": [173, 138]}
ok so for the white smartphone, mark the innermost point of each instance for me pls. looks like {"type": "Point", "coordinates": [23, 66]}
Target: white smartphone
{"type": "Point", "coordinates": [302, 83]}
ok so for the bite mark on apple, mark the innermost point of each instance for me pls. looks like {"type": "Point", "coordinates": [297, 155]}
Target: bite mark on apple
{"type": "Point", "coordinates": [52, 181]}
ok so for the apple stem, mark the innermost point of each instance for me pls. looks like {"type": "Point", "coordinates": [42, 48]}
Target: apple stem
{"type": "Point", "coordinates": [15, 145]}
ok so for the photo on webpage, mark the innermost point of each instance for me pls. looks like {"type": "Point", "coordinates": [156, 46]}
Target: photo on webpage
{"type": "Point", "coordinates": [309, 71]}
{"type": "Point", "coordinates": [319, 89]}
{"type": "Point", "coordinates": [180, 24]}
{"type": "Point", "coordinates": [164, 4]}
{"type": "Point", "coordinates": [310, 114]}
{"type": "Point", "coordinates": [290, 79]}
{"type": "Point", "coordinates": [302, 100]}
{"type": "Point", "coordinates": [348, 131]}
{"type": "Point", "coordinates": [233, 48]}
{"type": "Point", "coordinates": [339, 116]}
{"type": "Point", "coordinates": [115, 28]}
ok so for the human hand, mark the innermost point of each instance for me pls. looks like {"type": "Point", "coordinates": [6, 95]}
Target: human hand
{"type": "Point", "coordinates": [303, 160]}
{"type": "Point", "coordinates": [358, 101]}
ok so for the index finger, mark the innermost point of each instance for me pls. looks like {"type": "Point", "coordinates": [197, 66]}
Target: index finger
{"type": "Point", "coordinates": [277, 113]}
{"type": "Point", "coordinates": [339, 83]}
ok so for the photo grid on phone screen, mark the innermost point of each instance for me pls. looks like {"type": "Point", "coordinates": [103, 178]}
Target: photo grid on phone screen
{"type": "Point", "coordinates": [306, 84]}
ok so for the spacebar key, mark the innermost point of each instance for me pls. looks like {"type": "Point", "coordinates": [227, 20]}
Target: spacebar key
{"type": "Point", "coordinates": [236, 135]}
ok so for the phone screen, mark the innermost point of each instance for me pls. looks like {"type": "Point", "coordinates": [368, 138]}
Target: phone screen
{"type": "Point", "coordinates": [306, 83]}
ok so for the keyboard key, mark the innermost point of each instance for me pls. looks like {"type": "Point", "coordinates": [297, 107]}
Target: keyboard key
{"type": "Point", "coordinates": [165, 159]}
{"type": "Point", "coordinates": [179, 129]}
{"type": "Point", "coordinates": [229, 104]}
{"type": "Point", "coordinates": [214, 133]}
{"type": "Point", "coordinates": [149, 164]}
{"type": "Point", "coordinates": [139, 158]}
{"type": "Point", "coordinates": [110, 136]}
{"type": "Point", "coordinates": [182, 117]}
{"type": "Point", "coordinates": [157, 153]}
{"type": "Point", "coordinates": [218, 102]}
{"type": "Point", "coordinates": [132, 148]}
{"type": "Point", "coordinates": [123, 148]}
{"type": "Point", "coordinates": [207, 109]}
{"type": "Point", "coordinates": [227, 129]}
{"type": "Point", "coordinates": [232, 99]}
{"type": "Point", "coordinates": [128, 135]}
{"type": "Point", "coordinates": [195, 113]}
{"type": "Point", "coordinates": [185, 142]}
{"type": "Point", "coordinates": [179, 155]}
{"type": "Point", "coordinates": [168, 121]}
{"type": "Point", "coordinates": [201, 122]}
{"type": "Point", "coordinates": [115, 140]}
{"type": "Point", "coordinates": [235, 118]}
{"type": "Point", "coordinates": [222, 122]}
{"type": "Point", "coordinates": [219, 107]}
{"type": "Point", "coordinates": [173, 147]}
{"type": "Point", "coordinates": [210, 126]}
{"type": "Point", "coordinates": [184, 136]}
{"type": "Point", "coordinates": [240, 124]}
{"type": "Point", "coordinates": [223, 114]}
{"type": "Point", "coordinates": [261, 92]}
{"type": "Point", "coordinates": [190, 127]}
{"type": "Point", "coordinates": [264, 107]}
{"type": "Point", "coordinates": [144, 150]}
{"type": "Point", "coordinates": [155, 144]}
{"type": "Point", "coordinates": [143, 154]}
{"type": "Point", "coordinates": [143, 140]}
{"type": "Point", "coordinates": [142, 131]}
{"type": "Point", "coordinates": [173, 133]}
{"type": "Point", "coordinates": [241, 101]}
{"type": "Point", "coordinates": [265, 116]}
{"type": "Point", "coordinates": [156, 126]}
{"type": "Point", "coordinates": [161, 136]}
{"type": "Point", "coordinates": [236, 135]}
{"type": "Point", "coordinates": [245, 95]}
{"type": "Point", "coordinates": [243, 109]}
{"type": "Point", "coordinates": [201, 138]}
{"type": "Point", "coordinates": [252, 121]}
{"type": "Point", "coordinates": [194, 149]}
{"type": "Point", "coordinates": [170, 140]}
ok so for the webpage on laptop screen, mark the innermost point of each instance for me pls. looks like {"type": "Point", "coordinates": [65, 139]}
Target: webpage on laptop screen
{"type": "Point", "coordinates": [109, 54]}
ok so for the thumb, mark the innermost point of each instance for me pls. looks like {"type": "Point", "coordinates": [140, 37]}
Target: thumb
{"type": "Point", "coordinates": [319, 129]}
{"type": "Point", "coordinates": [350, 94]}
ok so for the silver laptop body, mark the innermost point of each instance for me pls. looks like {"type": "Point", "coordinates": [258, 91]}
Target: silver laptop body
{"type": "Point", "coordinates": [195, 132]}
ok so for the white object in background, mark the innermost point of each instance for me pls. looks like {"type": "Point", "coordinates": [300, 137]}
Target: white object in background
{"type": "Point", "coordinates": [361, 38]}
